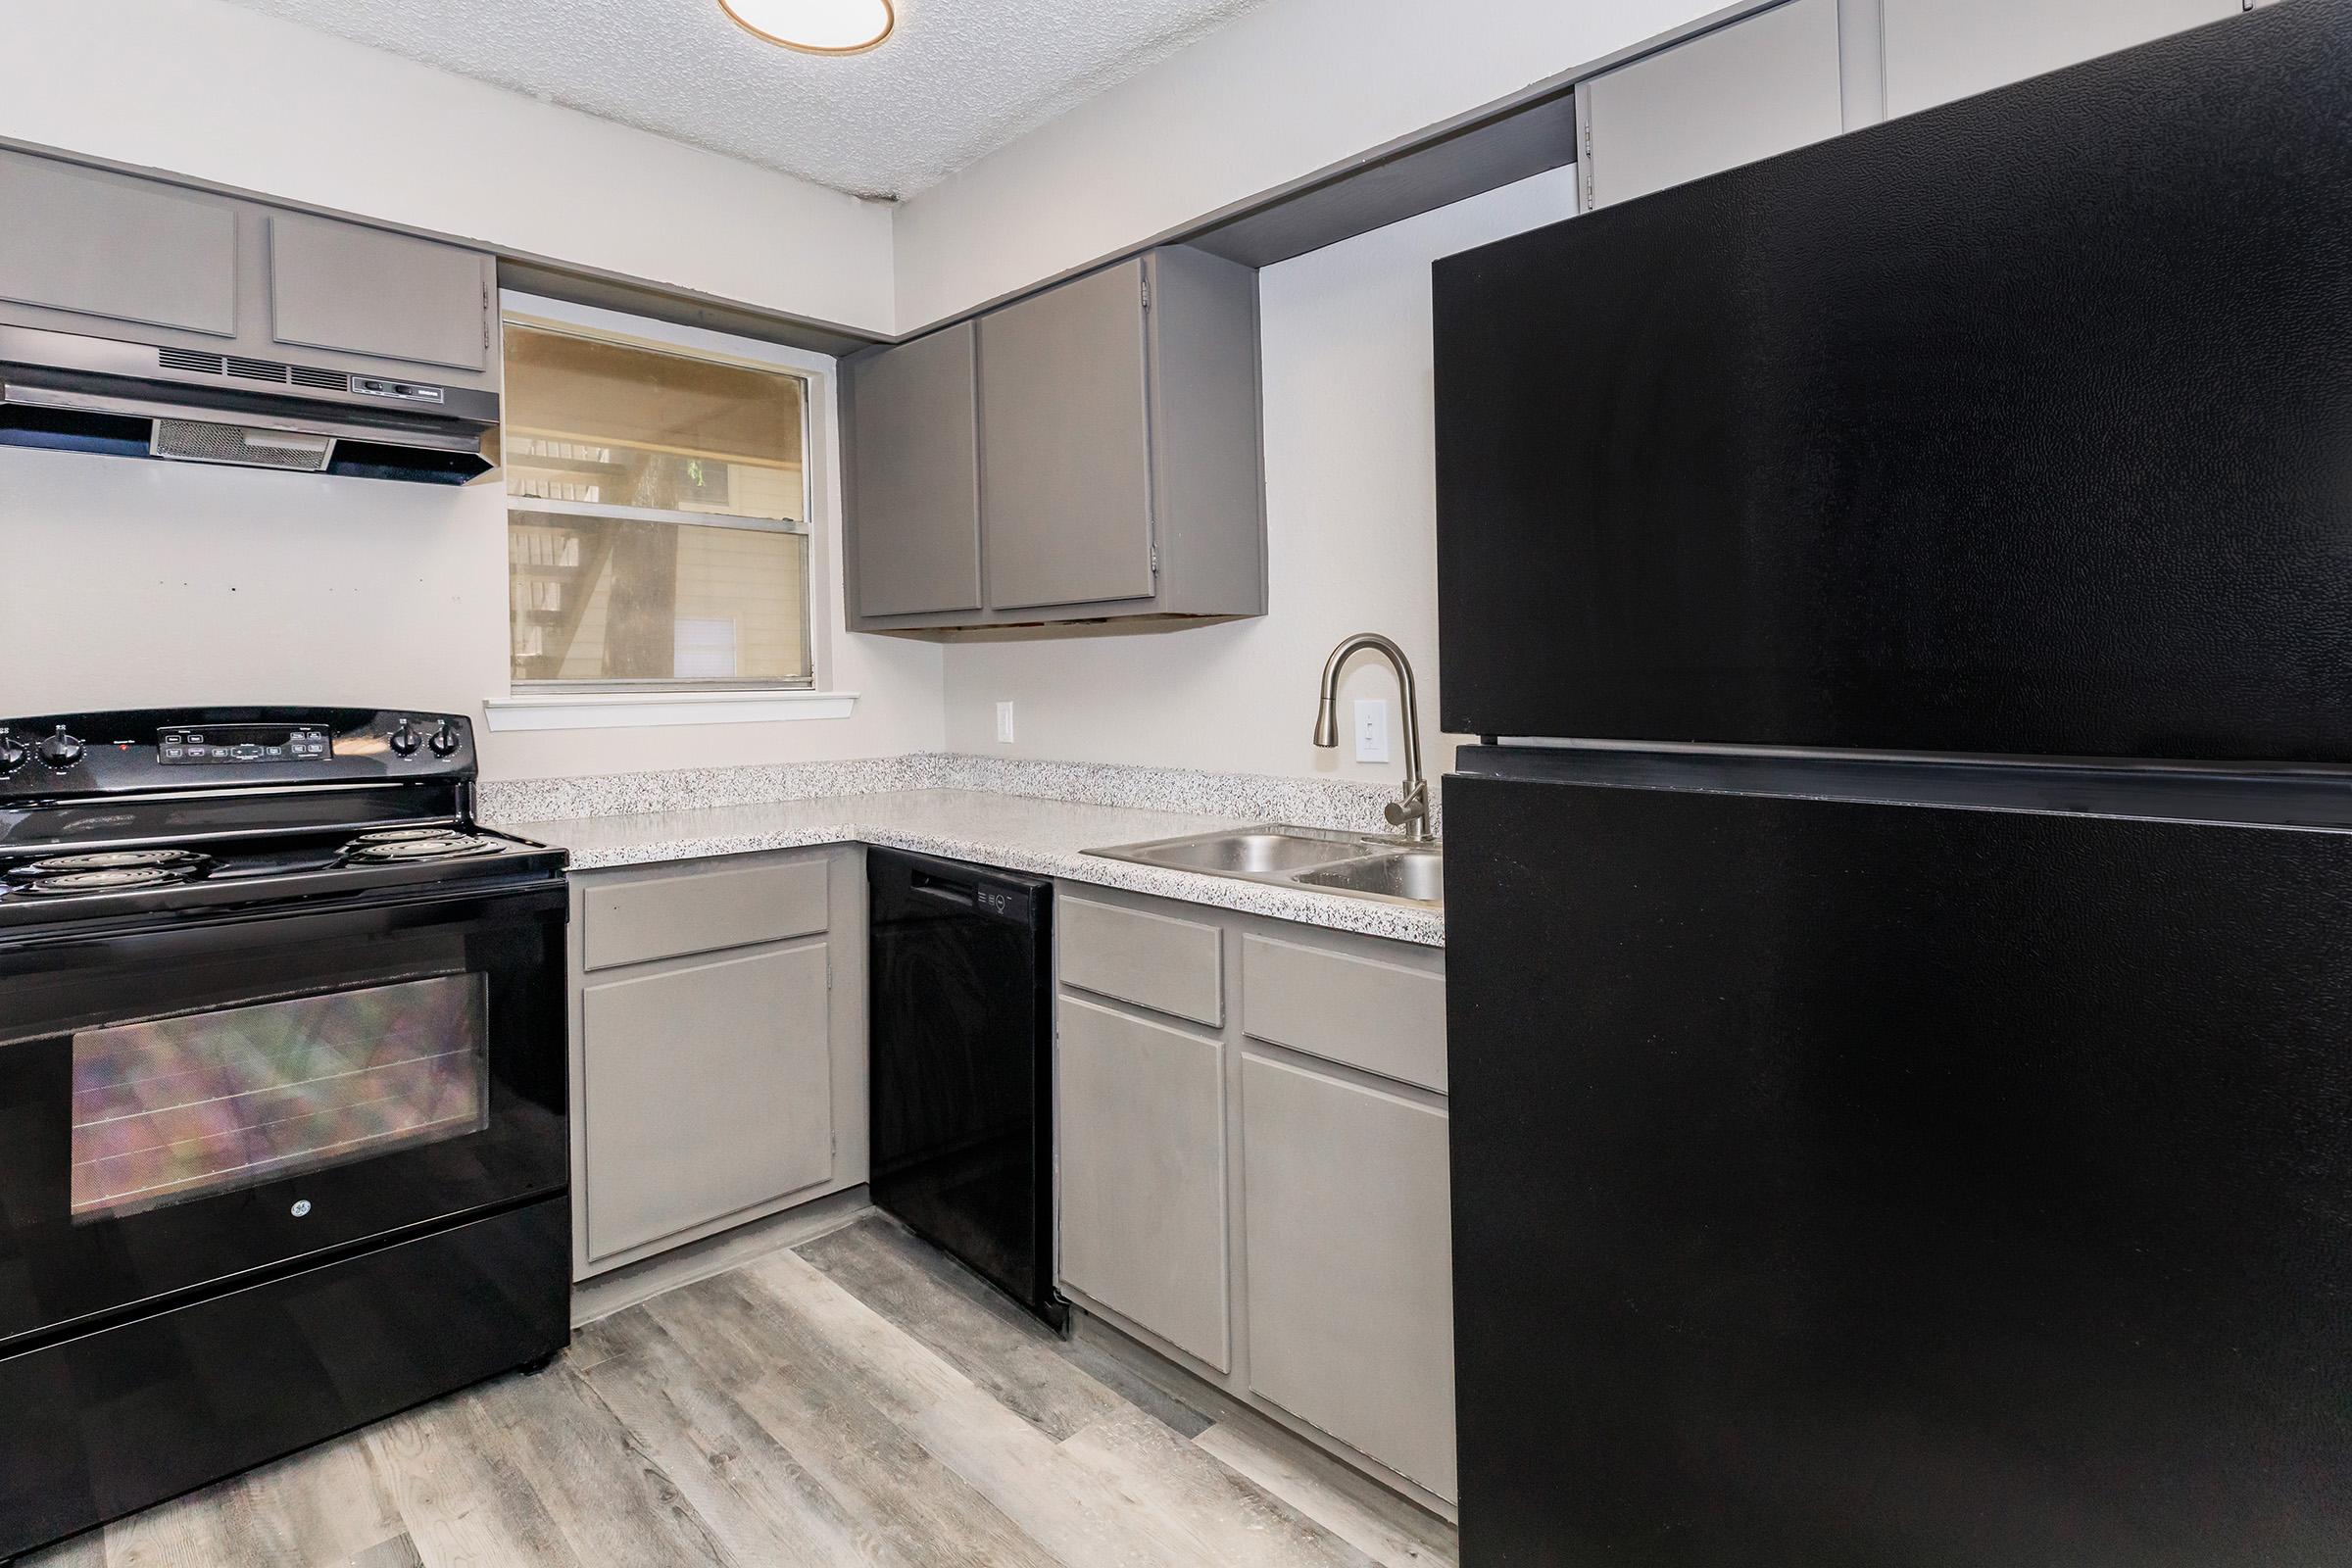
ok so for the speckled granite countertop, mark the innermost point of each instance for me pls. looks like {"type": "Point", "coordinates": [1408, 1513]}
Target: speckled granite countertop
{"type": "Point", "coordinates": [1020, 833]}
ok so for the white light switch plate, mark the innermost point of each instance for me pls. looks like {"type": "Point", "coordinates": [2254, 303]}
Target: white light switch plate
{"type": "Point", "coordinates": [1004, 724]}
{"type": "Point", "coordinates": [1371, 729]}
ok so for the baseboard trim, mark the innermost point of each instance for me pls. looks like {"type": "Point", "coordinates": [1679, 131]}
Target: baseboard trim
{"type": "Point", "coordinates": [1274, 1427]}
{"type": "Point", "coordinates": [642, 1281]}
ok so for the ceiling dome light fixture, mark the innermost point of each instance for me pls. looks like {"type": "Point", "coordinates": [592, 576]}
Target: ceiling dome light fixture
{"type": "Point", "coordinates": [815, 27]}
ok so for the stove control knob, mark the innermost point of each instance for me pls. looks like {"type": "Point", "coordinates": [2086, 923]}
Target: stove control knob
{"type": "Point", "coordinates": [406, 739]}
{"type": "Point", "coordinates": [446, 739]}
{"type": "Point", "coordinates": [14, 753]}
{"type": "Point", "coordinates": [59, 751]}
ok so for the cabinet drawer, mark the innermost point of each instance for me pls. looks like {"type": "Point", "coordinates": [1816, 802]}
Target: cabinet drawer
{"type": "Point", "coordinates": [708, 1090]}
{"type": "Point", "coordinates": [1143, 1174]}
{"type": "Point", "coordinates": [700, 911]}
{"type": "Point", "coordinates": [1382, 1018]}
{"type": "Point", "coordinates": [1154, 960]}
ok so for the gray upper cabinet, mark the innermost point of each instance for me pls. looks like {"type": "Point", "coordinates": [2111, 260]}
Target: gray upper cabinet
{"type": "Point", "coordinates": [915, 471]}
{"type": "Point", "coordinates": [1936, 51]}
{"type": "Point", "coordinates": [108, 255]}
{"type": "Point", "coordinates": [1112, 424]}
{"type": "Point", "coordinates": [1067, 487]}
{"type": "Point", "coordinates": [1760, 86]}
{"type": "Point", "coordinates": [123, 251]}
{"type": "Point", "coordinates": [382, 296]}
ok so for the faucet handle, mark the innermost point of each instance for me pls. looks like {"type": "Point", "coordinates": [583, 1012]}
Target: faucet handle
{"type": "Point", "coordinates": [1412, 812]}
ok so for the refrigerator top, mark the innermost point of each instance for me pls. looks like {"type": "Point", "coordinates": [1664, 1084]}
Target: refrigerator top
{"type": "Point", "coordinates": [2020, 425]}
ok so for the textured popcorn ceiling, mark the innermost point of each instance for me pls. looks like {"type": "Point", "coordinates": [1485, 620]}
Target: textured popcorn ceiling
{"type": "Point", "coordinates": [958, 79]}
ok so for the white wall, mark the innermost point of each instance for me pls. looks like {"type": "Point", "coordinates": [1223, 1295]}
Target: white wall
{"type": "Point", "coordinates": [1286, 90]}
{"type": "Point", "coordinates": [1352, 537]}
{"type": "Point", "coordinates": [127, 583]}
{"type": "Point", "coordinates": [219, 93]}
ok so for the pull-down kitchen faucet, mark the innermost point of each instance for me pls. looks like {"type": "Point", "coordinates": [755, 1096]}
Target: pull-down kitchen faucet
{"type": "Point", "coordinates": [1409, 810]}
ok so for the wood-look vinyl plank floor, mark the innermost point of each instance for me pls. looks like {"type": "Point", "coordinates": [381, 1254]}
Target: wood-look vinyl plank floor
{"type": "Point", "coordinates": [861, 1400]}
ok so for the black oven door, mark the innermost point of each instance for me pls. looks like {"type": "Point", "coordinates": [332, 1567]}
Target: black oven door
{"type": "Point", "coordinates": [187, 1102]}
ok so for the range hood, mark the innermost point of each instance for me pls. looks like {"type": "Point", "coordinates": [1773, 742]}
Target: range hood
{"type": "Point", "coordinates": [138, 400]}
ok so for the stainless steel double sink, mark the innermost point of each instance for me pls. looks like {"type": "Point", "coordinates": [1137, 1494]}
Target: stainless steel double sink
{"type": "Point", "coordinates": [1363, 865]}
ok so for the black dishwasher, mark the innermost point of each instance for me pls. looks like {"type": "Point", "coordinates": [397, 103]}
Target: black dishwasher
{"type": "Point", "coordinates": [963, 1046]}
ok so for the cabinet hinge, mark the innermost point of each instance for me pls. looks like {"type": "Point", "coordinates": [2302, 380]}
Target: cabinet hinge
{"type": "Point", "coordinates": [828, 972]}
{"type": "Point", "coordinates": [1146, 292]}
{"type": "Point", "coordinates": [1156, 561]}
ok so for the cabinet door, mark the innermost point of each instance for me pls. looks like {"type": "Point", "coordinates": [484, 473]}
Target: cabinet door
{"type": "Point", "coordinates": [356, 290]}
{"type": "Point", "coordinates": [122, 249]}
{"type": "Point", "coordinates": [1065, 467]}
{"type": "Point", "coordinates": [1726, 98]}
{"type": "Point", "coordinates": [1350, 1257]}
{"type": "Point", "coordinates": [915, 475]}
{"type": "Point", "coordinates": [709, 1090]}
{"type": "Point", "coordinates": [1936, 51]}
{"type": "Point", "coordinates": [1143, 1174]}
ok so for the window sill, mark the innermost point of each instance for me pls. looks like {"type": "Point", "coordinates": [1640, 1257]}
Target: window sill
{"type": "Point", "coordinates": [633, 710]}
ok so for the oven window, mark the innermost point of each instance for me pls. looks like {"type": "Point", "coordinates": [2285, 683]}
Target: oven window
{"type": "Point", "coordinates": [184, 1107]}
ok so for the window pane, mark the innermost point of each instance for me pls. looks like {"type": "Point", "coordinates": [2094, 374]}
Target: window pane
{"type": "Point", "coordinates": [609, 423]}
{"type": "Point", "coordinates": [609, 599]}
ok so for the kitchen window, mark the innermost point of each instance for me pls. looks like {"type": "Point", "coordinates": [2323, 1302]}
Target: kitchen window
{"type": "Point", "coordinates": [658, 515]}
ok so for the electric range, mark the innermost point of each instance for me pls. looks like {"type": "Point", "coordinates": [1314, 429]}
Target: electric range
{"type": "Point", "coordinates": [283, 1138]}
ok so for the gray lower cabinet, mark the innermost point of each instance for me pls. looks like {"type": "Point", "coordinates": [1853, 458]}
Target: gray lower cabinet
{"type": "Point", "coordinates": [1143, 1173]}
{"type": "Point", "coordinates": [709, 1092]}
{"type": "Point", "coordinates": [1089, 453]}
{"type": "Point", "coordinates": [257, 288]}
{"type": "Point", "coordinates": [1254, 1167]}
{"type": "Point", "coordinates": [1349, 1238]}
{"type": "Point", "coordinates": [718, 1067]}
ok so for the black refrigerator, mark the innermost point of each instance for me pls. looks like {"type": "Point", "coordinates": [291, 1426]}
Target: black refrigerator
{"type": "Point", "coordinates": [1901, 915]}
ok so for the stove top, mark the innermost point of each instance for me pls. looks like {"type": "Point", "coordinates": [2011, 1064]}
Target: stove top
{"type": "Point", "coordinates": [107, 818]}
{"type": "Point", "coordinates": [98, 883]}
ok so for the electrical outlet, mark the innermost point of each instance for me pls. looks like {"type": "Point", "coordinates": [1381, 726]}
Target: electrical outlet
{"type": "Point", "coordinates": [1004, 723]}
{"type": "Point", "coordinates": [1371, 729]}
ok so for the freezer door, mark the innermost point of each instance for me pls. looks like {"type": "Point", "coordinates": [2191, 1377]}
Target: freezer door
{"type": "Point", "coordinates": [2020, 425]}
{"type": "Point", "coordinates": [1846, 1185]}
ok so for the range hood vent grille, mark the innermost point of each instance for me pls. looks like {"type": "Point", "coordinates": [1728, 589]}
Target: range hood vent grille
{"type": "Point", "coordinates": [190, 361]}
{"type": "Point", "coordinates": [195, 441]}
{"type": "Point", "coordinates": [195, 363]}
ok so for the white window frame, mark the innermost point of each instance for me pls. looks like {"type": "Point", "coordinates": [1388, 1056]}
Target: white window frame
{"type": "Point", "coordinates": [543, 707]}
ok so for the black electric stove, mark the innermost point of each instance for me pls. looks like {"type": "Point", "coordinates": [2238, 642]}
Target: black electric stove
{"type": "Point", "coordinates": [282, 1094]}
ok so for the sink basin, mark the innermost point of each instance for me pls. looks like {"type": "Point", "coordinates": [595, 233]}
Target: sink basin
{"type": "Point", "coordinates": [1415, 876]}
{"type": "Point", "coordinates": [1362, 866]}
{"type": "Point", "coordinates": [1256, 853]}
